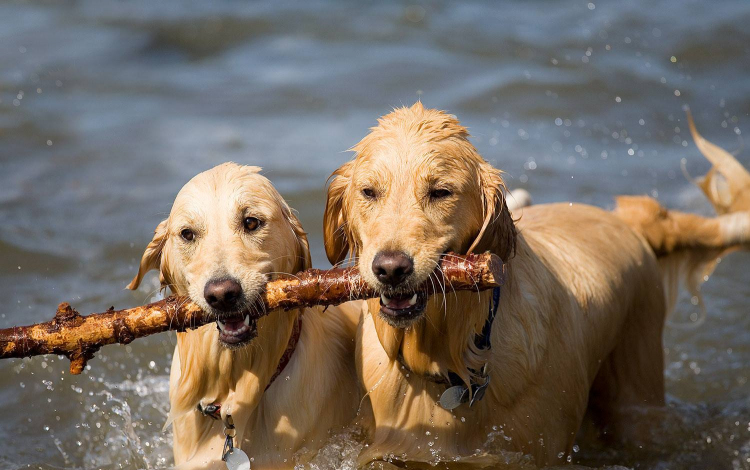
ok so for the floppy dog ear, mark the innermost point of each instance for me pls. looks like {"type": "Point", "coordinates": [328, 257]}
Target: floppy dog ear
{"type": "Point", "coordinates": [498, 232]}
{"type": "Point", "coordinates": [303, 260]}
{"type": "Point", "coordinates": [334, 234]}
{"type": "Point", "coordinates": [152, 256]}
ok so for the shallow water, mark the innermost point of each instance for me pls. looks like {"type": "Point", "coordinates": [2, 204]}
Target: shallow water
{"type": "Point", "coordinates": [107, 108]}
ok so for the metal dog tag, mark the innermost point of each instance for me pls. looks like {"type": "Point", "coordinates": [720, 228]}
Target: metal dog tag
{"type": "Point", "coordinates": [453, 397]}
{"type": "Point", "coordinates": [237, 460]}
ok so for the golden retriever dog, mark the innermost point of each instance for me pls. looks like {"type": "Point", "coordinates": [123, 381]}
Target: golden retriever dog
{"type": "Point", "coordinates": [228, 233]}
{"type": "Point", "coordinates": [578, 325]}
{"type": "Point", "coordinates": [704, 240]}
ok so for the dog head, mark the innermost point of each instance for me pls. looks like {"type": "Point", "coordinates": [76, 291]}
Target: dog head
{"type": "Point", "coordinates": [229, 230]}
{"type": "Point", "coordinates": [416, 189]}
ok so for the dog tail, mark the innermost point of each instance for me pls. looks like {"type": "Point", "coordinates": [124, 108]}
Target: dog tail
{"type": "Point", "coordinates": [687, 246]}
{"type": "Point", "coordinates": [727, 183]}
{"type": "Point", "coordinates": [518, 199]}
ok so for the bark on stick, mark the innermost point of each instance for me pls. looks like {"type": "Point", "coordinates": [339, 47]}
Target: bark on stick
{"type": "Point", "coordinates": [78, 337]}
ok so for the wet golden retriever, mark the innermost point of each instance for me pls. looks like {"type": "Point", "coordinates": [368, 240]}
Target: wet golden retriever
{"type": "Point", "coordinates": [578, 328]}
{"type": "Point", "coordinates": [229, 232]}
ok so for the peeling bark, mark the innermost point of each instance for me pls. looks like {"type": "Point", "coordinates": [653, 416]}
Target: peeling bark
{"type": "Point", "coordinates": [79, 337]}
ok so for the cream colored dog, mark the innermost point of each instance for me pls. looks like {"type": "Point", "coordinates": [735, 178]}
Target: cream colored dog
{"type": "Point", "coordinates": [228, 233]}
{"type": "Point", "coordinates": [578, 328]}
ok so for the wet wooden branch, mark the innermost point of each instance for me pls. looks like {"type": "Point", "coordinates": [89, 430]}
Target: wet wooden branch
{"type": "Point", "coordinates": [78, 337]}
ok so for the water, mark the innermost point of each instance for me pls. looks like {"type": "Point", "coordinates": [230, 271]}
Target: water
{"type": "Point", "coordinates": [107, 108]}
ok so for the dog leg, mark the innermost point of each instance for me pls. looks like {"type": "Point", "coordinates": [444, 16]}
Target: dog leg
{"type": "Point", "coordinates": [630, 381]}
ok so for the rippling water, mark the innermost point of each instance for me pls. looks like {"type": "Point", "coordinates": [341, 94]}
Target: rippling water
{"type": "Point", "coordinates": [107, 108]}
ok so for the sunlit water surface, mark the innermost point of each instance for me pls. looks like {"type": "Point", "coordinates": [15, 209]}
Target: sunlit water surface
{"type": "Point", "coordinates": [107, 108]}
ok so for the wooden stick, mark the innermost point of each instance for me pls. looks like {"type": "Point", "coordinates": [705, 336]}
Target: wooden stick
{"type": "Point", "coordinates": [79, 337]}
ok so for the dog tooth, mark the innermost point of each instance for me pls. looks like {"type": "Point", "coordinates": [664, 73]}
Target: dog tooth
{"type": "Point", "coordinates": [221, 325]}
{"type": "Point", "coordinates": [384, 299]}
{"type": "Point", "coordinates": [247, 320]}
{"type": "Point", "coordinates": [413, 300]}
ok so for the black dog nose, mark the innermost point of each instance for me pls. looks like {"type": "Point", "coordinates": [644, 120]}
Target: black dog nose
{"type": "Point", "coordinates": [392, 267]}
{"type": "Point", "coordinates": [223, 294]}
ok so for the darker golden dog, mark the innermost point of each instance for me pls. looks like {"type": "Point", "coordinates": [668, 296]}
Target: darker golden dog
{"type": "Point", "coordinates": [578, 328]}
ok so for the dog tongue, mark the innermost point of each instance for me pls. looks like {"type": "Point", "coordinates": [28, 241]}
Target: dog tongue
{"type": "Point", "coordinates": [398, 303]}
{"type": "Point", "coordinates": [233, 325]}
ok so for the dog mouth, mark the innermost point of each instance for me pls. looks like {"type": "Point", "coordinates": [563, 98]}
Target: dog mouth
{"type": "Point", "coordinates": [400, 309]}
{"type": "Point", "coordinates": [236, 331]}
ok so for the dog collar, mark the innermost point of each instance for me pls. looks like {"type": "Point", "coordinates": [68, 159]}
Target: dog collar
{"type": "Point", "coordinates": [213, 410]}
{"type": "Point", "coordinates": [457, 392]}
{"type": "Point", "coordinates": [290, 347]}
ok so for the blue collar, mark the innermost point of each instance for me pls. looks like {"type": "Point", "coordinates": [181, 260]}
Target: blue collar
{"type": "Point", "coordinates": [484, 341]}
{"type": "Point", "coordinates": [458, 392]}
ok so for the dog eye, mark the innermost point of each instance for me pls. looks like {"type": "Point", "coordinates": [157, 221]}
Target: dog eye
{"type": "Point", "coordinates": [251, 224]}
{"type": "Point", "coordinates": [439, 193]}
{"type": "Point", "coordinates": [369, 193]}
{"type": "Point", "coordinates": [187, 235]}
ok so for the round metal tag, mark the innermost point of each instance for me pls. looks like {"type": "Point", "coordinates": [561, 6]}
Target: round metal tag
{"type": "Point", "coordinates": [238, 460]}
{"type": "Point", "coordinates": [453, 397]}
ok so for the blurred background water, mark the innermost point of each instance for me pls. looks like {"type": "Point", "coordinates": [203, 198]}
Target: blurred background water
{"type": "Point", "coordinates": [108, 107]}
